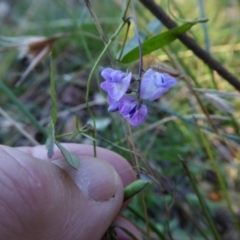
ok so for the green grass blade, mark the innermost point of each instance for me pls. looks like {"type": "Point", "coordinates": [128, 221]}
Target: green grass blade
{"type": "Point", "coordinates": [204, 26]}
{"type": "Point", "coordinates": [202, 202]}
{"type": "Point", "coordinates": [152, 224]}
{"type": "Point", "coordinates": [53, 92]}
{"type": "Point", "coordinates": [50, 139]}
{"type": "Point", "coordinates": [22, 108]}
{"type": "Point", "coordinates": [220, 178]}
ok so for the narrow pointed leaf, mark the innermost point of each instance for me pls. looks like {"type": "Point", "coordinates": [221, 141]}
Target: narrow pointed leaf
{"type": "Point", "coordinates": [71, 158]}
{"type": "Point", "coordinates": [134, 188]}
{"type": "Point", "coordinates": [156, 42]}
{"type": "Point", "coordinates": [53, 93]}
{"type": "Point", "coordinates": [50, 139]}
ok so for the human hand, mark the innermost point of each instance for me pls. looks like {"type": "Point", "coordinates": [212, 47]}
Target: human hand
{"type": "Point", "coordinates": [43, 198]}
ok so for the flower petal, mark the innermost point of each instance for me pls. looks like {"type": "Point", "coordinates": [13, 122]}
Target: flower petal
{"type": "Point", "coordinates": [117, 76]}
{"type": "Point", "coordinates": [155, 84]}
{"type": "Point", "coordinates": [116, 90]}
{"type": "Point", "coordinates": [128, 109]}
{"type": "Point", "coordinates": [139, 116]}
{"type": "Point", "coordinates": [106, 73]}
{"type": "Point", "coordinates": [110, 100]}
{"type": "Point", "coordinates": [147, 84]}
{"type": "Point", "coordinates": [168, 81]}
{"type": "Point", "coordinates": [125, 104]}
{"type": "Point", "coordinates": [113, 107]}
{"type": "Point", "coordinates": [157, 94]}
{"type": "Point", "coordinates": [103, 85]}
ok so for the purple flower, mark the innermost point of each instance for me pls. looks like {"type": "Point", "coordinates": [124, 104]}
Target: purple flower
{"type": "Point", "coordinates": [131, 110]}
{"type": "Point", "coordinates": [116, 84]}
{"type": "Point", "coordinates": [155, 84]}
{"type": "Point", "coordinates": [113, 105]}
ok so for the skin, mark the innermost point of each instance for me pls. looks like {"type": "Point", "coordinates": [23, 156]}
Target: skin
{"type": "Point", "coordinates": [43, 198]}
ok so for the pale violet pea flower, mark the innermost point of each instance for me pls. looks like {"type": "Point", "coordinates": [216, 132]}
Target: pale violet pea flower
{"type": "Point", "coordinates": [113, 105]}
{"type": "Point", "coordinates": [155, 84]}
{"type": "Point", "coordinates": [116, 84]}
{"type": "Point", "coordinates": [134, 113]}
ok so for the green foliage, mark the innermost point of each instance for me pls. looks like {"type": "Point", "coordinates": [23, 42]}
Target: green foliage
{"type": "Point", "coordinates": [53, 93]}
{"type": "Point", "coordinates": [71, 158]}
{"type": "Point", "coordinates": [156, 42]}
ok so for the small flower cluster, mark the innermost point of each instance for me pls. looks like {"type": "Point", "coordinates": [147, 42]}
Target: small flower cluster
{"type": "Point", "coordinates": [152, 86]}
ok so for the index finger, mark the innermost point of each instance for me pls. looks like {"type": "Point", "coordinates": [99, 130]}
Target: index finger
{"type": "Point", "coordinates": [122, 167]}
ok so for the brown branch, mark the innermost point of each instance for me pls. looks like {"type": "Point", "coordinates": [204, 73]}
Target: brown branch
{"type": "Point", "coordinates": [159, 13]}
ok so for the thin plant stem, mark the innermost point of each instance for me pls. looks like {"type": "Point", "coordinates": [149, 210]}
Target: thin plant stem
{"type": "Point", "coordinates": [151, 224]}
{"type": "Point", "coordinates": [138, 177]}
{"type": "Point", "coordinates": [139, 45]}
{"type": "Point", "coordinates": [186, 213]}
{"type": "Point", "coordinates": [22, 108]}
{"type": "Point", "coordinates": [124, 41]}
{"type": "Point", "coordinates": [18, 127]}
{"type": "Point", "coordinates": [204, 26]}
{"type": "Point", "coordinates": [220, 178]}
{"type": "Point", "coordinates": [125, 10]}
{"type": "Point", "coordinates": [94, 68]}
{"type": "Point", "coordinates": [206, 39]}
{"type": "Point", "coordinates": [185, 20]}
{"type": "Point", "coordinates": [202, 202]}
{"type": "Point", "coordinates": [205, 111]}
{"type": "Point", "coordinates": [98, 26]}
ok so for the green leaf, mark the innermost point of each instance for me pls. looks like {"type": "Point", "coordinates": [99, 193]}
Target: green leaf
{"type": "Point", "coordinates": [89, 137]}
{"type": "Point", "coordinates": [134, 188]}
{"type": "Point", "coordinates": [156, 42]}
{"type": "Point", "coordinates": [152, 28]}
{"type": "Point", "coordinates": [50, 139]}
{"type": "Point", "coordinates": [71, 158]}
{"type": "Point", "coordinates": [53, 92]}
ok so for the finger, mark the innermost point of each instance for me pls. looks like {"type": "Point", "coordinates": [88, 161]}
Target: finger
{"type": "Point", "coordinates": [41, 201]}
{"type": "Point", "coordinates": [122, 167]}
{"type": "Point", "coordinates": [122, 223]}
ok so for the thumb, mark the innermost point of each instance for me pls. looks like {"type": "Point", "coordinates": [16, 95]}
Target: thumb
{"type": "Point", "coordinates": [40, 200]}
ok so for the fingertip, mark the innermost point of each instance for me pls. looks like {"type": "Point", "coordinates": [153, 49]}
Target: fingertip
{"type": "Point", "coordinates": [121, 165]}
{"type": "Point", "coordinates": [96, 178]}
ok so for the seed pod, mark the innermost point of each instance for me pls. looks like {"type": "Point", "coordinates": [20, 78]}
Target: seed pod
{"type": "Point", "coordinates": [134, 188]}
